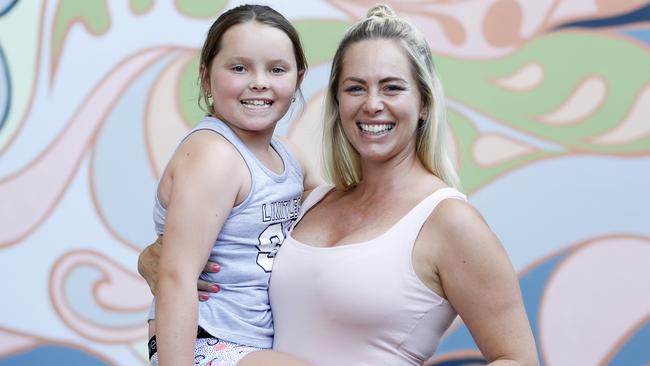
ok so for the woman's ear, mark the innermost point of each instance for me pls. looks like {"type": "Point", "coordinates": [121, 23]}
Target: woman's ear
{"type": "Point", "coordinates": [423, 114]}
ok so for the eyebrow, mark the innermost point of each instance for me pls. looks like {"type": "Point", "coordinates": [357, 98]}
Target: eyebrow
{"type": "Point", "coordinates": [384, 80]}
{"type": "Point", "coordinates": [248, 60]}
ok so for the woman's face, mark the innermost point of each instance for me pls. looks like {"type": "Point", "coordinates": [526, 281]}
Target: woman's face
{"type": "Point", "coordinates": [379, 101]}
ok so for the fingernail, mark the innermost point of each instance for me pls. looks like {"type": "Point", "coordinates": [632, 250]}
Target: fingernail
{"type": "Point", "coordinates": [204, 297]}
{"type": "Point", "coordinates": [216, 267]}
{"type": "Point", "coordinates": [215, 288]}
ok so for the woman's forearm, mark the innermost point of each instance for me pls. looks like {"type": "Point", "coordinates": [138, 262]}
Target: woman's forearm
{"type": "Point", "coordinates": [532, 361]}
{"type": "Point", "coordinates": [176, 320]}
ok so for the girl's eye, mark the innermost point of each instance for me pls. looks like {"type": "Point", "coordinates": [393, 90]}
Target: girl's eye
{"type": "Point", "coordinates": [277, 70]}
{"type": "Point", "coordinates": [238, 68]}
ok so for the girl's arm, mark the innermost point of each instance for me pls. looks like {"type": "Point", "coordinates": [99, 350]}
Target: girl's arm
{"type": "Point", "coordinates": [480, 283]}
{"type": "Point", "coordinates": [206, 178]}
{"type": "Point", "coordinates": [149, 260]}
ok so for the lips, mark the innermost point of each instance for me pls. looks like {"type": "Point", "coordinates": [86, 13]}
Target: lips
{"type": "Point", "coordinates": [375, 128]}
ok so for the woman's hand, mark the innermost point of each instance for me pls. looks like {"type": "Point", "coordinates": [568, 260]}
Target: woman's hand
{"type": "Point", "coordinates": [149, 261]}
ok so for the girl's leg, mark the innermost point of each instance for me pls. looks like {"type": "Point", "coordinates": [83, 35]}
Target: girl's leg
{"type": "Point", "coordinates": [271, 358]}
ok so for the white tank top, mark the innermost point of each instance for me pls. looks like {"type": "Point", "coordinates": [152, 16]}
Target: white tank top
{"type": "Point", "coordinates": [246, 246]}
{"type": "Point", "coordinates": [358, 304]}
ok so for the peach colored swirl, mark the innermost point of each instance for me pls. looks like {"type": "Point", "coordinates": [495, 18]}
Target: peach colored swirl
{"type": "Point", "coordinates": [12, 342]}
{"type": "Point", "coordinates": [118, 292]}
{"type": "Point", "coordinates": [602, 286]}
{"type": "Point", "coordinates": [585, 100]}
{"type": "Point", "coordinates": [486, 29]}
{"type": "Point", "coordinates": [635, 126]}
{"type": "Point", "coordinates": [21, 213]}
{"type": "Point", "coordinates": [165, 125]}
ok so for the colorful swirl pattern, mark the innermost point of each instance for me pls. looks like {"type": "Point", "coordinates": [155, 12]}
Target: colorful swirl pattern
{"type": "Point", "coordinates": [548, 104]}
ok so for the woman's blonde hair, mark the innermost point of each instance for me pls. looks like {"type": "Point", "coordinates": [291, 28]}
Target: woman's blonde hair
{"type": "Point", "coordinates": [340, 158]}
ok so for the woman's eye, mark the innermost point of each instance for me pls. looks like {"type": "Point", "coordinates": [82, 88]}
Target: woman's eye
{"type": "Point", "coordinates": [238, 68]}
{"type": "Point", "coordinates": [394, 88]}
{"type": "Point", "coordinates": [277, 70]}
{"type": "Point", "coordinates": [354, 89]}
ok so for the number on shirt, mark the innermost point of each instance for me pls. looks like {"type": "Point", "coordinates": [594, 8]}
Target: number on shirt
{"type": "Point", "coordinates": [269, 239]}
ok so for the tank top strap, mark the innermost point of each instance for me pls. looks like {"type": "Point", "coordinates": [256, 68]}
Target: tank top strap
{"type": "Point", "coordinates": [412, 222]}
{"type": "Point", "coordinates": [315, 196]}
{"type": "Point", "coordinates": [218, 126]}
{"type": "Point", "coordinates": [290, 161]}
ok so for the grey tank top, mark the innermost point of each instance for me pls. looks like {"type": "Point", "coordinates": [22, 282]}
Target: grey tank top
{"type": "Point", "coordinates": [246, 246]}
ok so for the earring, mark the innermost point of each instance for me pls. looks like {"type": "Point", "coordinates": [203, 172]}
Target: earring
{"type": "Point", "coordinates": [209, 95]}
{"type": "Point", "coordinates": [293, 99]}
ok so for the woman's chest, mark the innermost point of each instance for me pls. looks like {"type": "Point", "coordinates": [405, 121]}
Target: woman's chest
{"type": "Point", "coordinates": [358, 285]}
{"type": "Point", "coordinates": [340, 224]}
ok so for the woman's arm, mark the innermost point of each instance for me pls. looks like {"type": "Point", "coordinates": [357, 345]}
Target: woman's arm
{"type": "Point", "coordinates": [202, 195]}
{"type": "Point", "coordinates": [149, 261]}
{"type": "Point", "coordinates": [312, 176]}
{"type": "Point", "coordinates": [480, 283]}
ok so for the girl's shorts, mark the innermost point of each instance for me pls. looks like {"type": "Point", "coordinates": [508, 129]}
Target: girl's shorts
{"type": "Point", "coordinates": [210, 351]}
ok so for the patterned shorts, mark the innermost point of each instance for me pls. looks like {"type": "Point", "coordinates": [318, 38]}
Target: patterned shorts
{"type": "Point", "coordinates": [209, 351]}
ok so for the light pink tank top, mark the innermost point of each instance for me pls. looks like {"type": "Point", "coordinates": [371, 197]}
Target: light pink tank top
{"type": "Point", "coordinates": [358, 304]}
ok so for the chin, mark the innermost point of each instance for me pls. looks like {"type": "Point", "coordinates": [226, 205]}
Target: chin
{"type": "Point", "coordinates": [374, 156]}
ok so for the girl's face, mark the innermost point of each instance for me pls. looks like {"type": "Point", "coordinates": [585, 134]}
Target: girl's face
{"type": "Point", "coordinates": [253, 78]}
{"type": "Point", "coordinates": [379, 101]}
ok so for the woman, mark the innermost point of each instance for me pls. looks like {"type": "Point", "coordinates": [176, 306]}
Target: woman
{"type": "Point", "coordinates": [376, 267]}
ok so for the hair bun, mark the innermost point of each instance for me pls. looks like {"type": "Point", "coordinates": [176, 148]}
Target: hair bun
{"type": "Point", "coordinates": [380, 11]}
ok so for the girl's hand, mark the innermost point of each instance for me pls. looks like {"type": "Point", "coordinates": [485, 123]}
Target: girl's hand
{"type": "Point", "coordinates": [149, 261]}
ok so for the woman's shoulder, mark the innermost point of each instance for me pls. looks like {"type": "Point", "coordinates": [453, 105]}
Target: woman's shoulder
{"type": "Point", "coordinates": [452, 214]}
{"type": "Point", "coordinates": [455, 214]}
{"type": "Point", "coordinates": [460, 228]}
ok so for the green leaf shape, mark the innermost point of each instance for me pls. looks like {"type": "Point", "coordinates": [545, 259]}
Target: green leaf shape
{"type": "Point", "coordinates": [189, 92]}
{"type": "Point", "coordinates": [320, 38]}
{"type": "Point", "coordinates": [140, 7]}
{"type": "Point", "coordinates": [201, 9]}
{"type": "Point", "coordinates": [473, 175]}
{"type": "Point", "coordinates": [568, 58]}
{"type": "Point", "coordinates": [93, 14]}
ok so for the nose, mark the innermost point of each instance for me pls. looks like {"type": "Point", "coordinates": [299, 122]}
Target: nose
{"type": "Point", "coordinates": [374, 103]}
{"type": "Point", "coordinates": [259, 82]}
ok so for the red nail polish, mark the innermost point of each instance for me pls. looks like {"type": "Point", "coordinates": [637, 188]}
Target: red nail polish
{"type": "Point", "coordinates": [204, 297]}
{"type": "Point", "coordinates": [216, 267]}
{"type": "Point", "coordinates": [215, 288]}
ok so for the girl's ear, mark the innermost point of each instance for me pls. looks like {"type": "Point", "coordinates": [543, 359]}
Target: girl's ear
{"type": "Point", "coordinates": [301, 76]}
{"type": "Point", "coordinates": [205, 79]}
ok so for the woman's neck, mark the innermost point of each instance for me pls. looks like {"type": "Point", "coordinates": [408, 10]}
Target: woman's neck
{"type": "Point", "coordinates": [392, 176]}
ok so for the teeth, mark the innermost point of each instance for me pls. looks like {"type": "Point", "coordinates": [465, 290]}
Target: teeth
{"type": "Point", "coordinates": [256, 103]}
{"type": "Point", "coordinates": [376, 129]}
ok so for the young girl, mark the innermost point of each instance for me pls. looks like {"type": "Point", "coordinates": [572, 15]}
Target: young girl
{"type": "Point", "coordinates": [229, 194]}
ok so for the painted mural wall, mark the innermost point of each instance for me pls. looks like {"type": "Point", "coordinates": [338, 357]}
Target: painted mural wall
{"type": "Point", "coordinates": [549, 103]}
